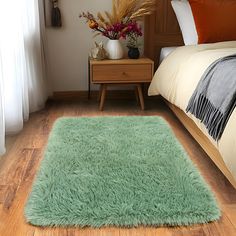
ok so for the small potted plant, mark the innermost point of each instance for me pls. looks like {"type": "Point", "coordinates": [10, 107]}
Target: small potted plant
{"type": "Point", "coordinates": [134, 32]}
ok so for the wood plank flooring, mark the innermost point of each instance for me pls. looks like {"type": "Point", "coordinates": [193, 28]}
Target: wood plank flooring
{"type": "Point", "coordinates": [25, 151]}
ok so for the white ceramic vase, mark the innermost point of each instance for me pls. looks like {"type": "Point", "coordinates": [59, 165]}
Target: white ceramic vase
{"type": "Point", "coordinates": [114, 49]}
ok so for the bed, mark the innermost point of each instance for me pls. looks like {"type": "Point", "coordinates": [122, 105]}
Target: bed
{"type": "Point", "coordinates": [165, 52]}
{"type": "Point", "coordinates": [165, 33]}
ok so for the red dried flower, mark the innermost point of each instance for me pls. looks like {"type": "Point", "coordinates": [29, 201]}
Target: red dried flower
{"type": "Point", "coordinates": [115, 31]}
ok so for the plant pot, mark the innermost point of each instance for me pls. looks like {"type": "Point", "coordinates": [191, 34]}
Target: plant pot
{"type": "Point", "coordinates": [133, 53]}
{"type": "Point", "coordinates": [114, 49]}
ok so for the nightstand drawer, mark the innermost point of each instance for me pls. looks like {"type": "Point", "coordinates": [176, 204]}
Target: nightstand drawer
{"type": "Point", "coordinates": [122, 73]}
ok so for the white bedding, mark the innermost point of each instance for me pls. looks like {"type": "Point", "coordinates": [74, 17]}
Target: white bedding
{"type": "Point", "coordinates": [177, 78]}
{"type": "Point", "coordinates": [166, 52]}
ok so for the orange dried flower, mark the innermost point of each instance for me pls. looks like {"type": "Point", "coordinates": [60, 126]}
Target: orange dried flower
{"type": "Point", "coordinates": [93, 24]}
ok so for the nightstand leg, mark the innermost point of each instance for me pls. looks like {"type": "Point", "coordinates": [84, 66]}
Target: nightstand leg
{"type": "Point", "coordinates": [140, 94]}
{"type": "Point", "coordinates": [100, 93]}
{"type": "Point", "coordinates": [103, 96]}
{"type": "Point", "coordinates": [136, 94]}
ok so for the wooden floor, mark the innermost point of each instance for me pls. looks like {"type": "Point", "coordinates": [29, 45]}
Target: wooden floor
{"type": "Point", "coordinates": [25, 151]}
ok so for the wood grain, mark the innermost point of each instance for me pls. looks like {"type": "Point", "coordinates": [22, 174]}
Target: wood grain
{"type": "Point", "coordinates": [161, 30]}
{"type": "Point", "coordinates": [140, 95]}
{"type": "Point", "coordinates": [19, 167]}
{"type": "Point", "coordinates": [121, 71]}
{"type": "Point", "coordinates": [126, 61]}
{"type": "Point", "coordinates": [204, 142]}
{"type": "Point", "coordinates": [103, 96]}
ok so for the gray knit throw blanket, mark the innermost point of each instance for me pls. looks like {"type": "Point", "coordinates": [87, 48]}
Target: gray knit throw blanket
{"type": "Point", "coordinates": [214, 99]}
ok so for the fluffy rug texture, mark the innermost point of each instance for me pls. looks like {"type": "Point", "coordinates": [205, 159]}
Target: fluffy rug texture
{"type": "Point", "coordinates": [117, 171]}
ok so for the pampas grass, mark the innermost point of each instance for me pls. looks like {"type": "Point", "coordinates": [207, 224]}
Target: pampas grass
{"type": "Point", "coordinates": [128, 10]}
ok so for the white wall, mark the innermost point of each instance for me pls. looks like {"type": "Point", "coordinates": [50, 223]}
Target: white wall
{"type": "Point", "coordinates": [67, 48]}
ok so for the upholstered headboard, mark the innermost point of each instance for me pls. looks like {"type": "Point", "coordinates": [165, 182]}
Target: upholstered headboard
{"type": "Point", "coordinates": [161, 30]}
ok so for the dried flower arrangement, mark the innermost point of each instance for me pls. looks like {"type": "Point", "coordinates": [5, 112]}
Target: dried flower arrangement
{"type": "Point", "coordinates": [122, 22]}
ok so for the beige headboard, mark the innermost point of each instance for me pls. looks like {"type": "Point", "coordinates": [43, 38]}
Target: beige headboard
{"type": "Point", "coordinates": [161, 30]}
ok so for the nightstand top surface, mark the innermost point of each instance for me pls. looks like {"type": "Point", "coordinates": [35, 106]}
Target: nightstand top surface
{"type": "Point", "coordinates": [126, 61]}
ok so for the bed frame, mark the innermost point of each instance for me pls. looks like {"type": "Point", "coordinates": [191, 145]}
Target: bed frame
{"type": "Point", "coordinates": [162, 30]}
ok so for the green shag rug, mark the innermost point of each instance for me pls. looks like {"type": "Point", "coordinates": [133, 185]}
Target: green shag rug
{"type": "Point", "coordinates": [118, 171]}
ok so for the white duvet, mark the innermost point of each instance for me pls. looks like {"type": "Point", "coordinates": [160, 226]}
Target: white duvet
{"type": "Point", "coordinates": [177, 78]}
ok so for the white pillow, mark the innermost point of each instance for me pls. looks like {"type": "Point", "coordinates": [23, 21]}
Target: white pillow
{"type": "Point", "coordinates": [185, 18]}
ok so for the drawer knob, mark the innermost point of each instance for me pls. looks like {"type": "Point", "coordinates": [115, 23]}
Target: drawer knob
{"type": "Point", "coordinates": [124, 73]}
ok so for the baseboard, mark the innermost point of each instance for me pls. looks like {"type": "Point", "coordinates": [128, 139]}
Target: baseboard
{"type": "Point", "coordinates": [83, 95]}
{"type": "Point", "coordinates": [72, 95]}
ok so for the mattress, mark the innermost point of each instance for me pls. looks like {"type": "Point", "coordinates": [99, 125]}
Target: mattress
{"type": "Point", "coordinates": [165, 52]}
{"type": "Point", "coordinates": [178, 76]}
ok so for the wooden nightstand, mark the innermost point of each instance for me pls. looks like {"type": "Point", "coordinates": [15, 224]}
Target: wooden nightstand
{"type": "Point", "coordinates": [117, 72]}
